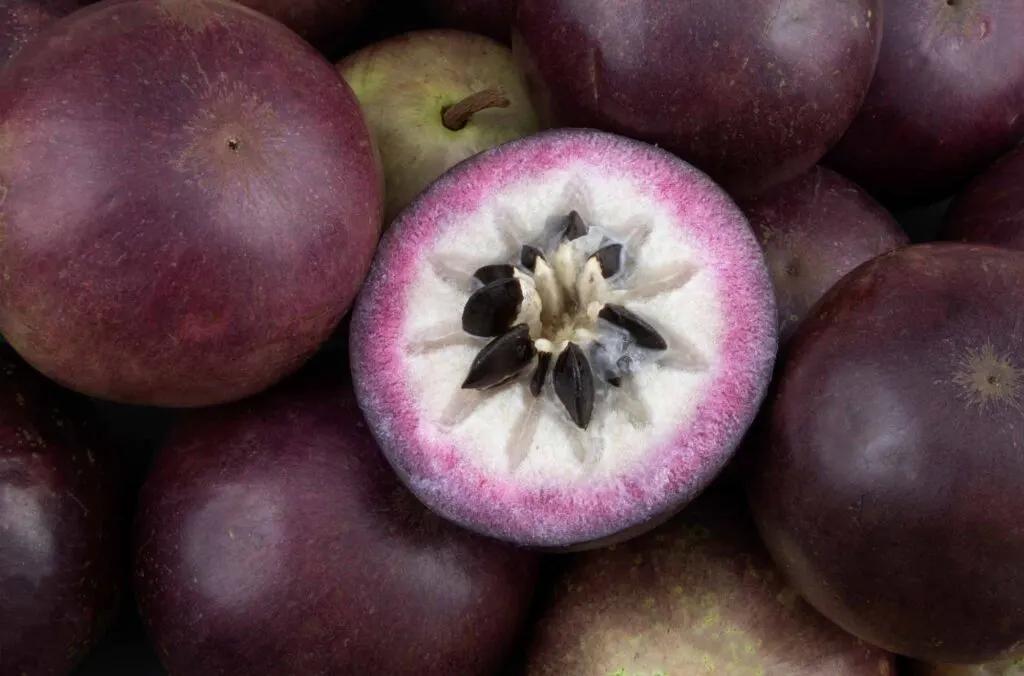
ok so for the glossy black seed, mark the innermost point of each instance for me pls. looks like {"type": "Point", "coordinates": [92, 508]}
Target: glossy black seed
{"type": "Point", "coordinates": [574, 384]}
{"type": "Point", "coordinates": [528, 257]}
{"type": "Point", "coordinates": [609, 257]}
{"type": "Point", "coordinates": [614, 381]}
{"type": "Point", "coordinates": [540, 373]}
{"type": "Point", "coordinates": [492, 273]}
{"type": "Point", "coordinates": [643, 333]}
{"type": "Point", "coordinates": [575, 227]}
{"type": "Point", "coordinates": [493, 308]}
{"type": "Point", "coordinates": [501, 359]}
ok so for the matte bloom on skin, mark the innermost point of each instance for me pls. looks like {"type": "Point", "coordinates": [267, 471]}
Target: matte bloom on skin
{"type": "Point", "coordinates": [619, 429]}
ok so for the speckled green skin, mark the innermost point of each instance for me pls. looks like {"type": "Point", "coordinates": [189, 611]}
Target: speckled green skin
{"type": "Point", "coordinates": [404, 85]}
{"type": "Point", "coordinates": [699, 595]}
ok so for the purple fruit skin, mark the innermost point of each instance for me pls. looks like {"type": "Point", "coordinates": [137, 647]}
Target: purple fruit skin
{"type": "Point", "coordinates": [147, 257]}
{"type": "Point", "coordinates": [753, 93]}
{"type": "Point", "coordinates": [946, 101]}
{"type": "Point", "coordinates": [286, 500]}
{"type": "Point", "coordinates": [321, 22]}
{"type": "Point", "coordinates": [22, 20]}
{"type": "Point", "coordinates": [815, 229]}
{"type": "Point", "coordinates": [991, 209]}
{"type": "Point", "coordinates": [59, 487]}
{"type": "Point", "coordinates": [492, 18]}
{"type": "Point", "coordinates": [888, 490]}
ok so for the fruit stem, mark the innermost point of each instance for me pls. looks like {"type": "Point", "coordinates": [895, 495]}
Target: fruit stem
{"type": "Point", "coordinates": [456, 116]}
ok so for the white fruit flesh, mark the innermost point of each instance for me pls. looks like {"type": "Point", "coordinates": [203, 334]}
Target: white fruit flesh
{"type": "Point", "coordinates": [504, 462]}
{"type": "Point", "coordinates": [505, 429]}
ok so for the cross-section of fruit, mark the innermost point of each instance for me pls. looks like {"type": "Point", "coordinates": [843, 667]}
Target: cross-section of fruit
{"type": "Point", "coordinates": [563, 339]}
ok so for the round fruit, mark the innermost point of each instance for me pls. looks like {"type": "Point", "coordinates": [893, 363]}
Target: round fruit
{"type": "Point", "coordinates": [698, 595]}
{"type": "Point", "coordinates": [186, 230]}
{"type": "Point", "coordinates": [432, 99]}
{"type": "Point", "coordinates": [321, 22]}
{"type": "Point", "coordinates": [22, 20]}
{"type": "Point", "coordinates": [947, 99]}
{"type": "Point", "coordinates": [887, 489]}
{"type": "Point", "coordinates": [752, 92]}
{"type": "Point", "coordinates": [274, 539]}
{"type": "Point", "coordinates": [564, 338]}
{"type": "Point", "coordinates": [991, 209]}
{"type": "Point", "coordinates": [492, 18]}
{"type": "Point", "coordinates": [815, 229]}
{"type": "Point", "coordinates": [62, 526]}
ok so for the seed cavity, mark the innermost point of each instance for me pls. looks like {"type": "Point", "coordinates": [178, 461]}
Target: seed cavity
{"type": "Point", "coordinates": [494, 273]}
{"type": "Point", "coordinates": [643, 333]}
{"type": "Point", "coordinates": [574, 384]}
{"type": "Point", "coordinates": [575, 226]}
{"type": "Point", "coordinates": [528, 257]}
{"type": "Point", "coordinates": [558, 304]}
{"type": "Point", "coordinates": [609, 258]}
{"type": "Point", "coordinates": [493, 308]}
{"type": "Point", "coordinates": [540, 373]}
{"type": "Point", "coordinates": [501, 359]}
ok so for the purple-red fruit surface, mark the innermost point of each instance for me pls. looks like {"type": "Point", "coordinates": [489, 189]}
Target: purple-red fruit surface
{"type": "Point", "coordinates": [815, 229]}
{"type": "Point", "coordinates": [187, 230]}
{"type": "Point", "coordinates": [991, 209]}
{"type": "Point", "coordinates": [753, 93]}
{"type": "Point", "coordinates": [62, 526]}
{"type": "Point", "coordinates": [887, 486]}
{"type": "Point", "coordinates": [947, 99]}
{"type": "Point", "coordinates": [699, 595]}
{"type": "Point", "coordinates": [273, 538]}
{"type": "Point", "coordinates": [23, 20]}
{"type": "Point", "coordinates": [492, 18]}
{"type": "Point", "coordinates": [562, 340]}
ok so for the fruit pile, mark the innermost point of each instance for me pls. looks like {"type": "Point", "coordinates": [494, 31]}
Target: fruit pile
{"type": "Point", "coordinates": [511, 337]}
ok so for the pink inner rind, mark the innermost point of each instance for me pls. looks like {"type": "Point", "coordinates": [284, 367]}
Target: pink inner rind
{"type": "Point", "coordinates": [670, 475]}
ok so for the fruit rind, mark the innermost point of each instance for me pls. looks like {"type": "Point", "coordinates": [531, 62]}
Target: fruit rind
{"type": "Point", "coordinates": [671, 472]}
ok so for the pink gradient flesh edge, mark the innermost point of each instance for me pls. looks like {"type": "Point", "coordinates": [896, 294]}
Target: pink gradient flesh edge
{"type": "Point", "coordinates": [671, 474]}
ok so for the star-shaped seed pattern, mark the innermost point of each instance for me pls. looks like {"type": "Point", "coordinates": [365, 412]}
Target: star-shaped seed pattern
{"type": "Point", "coordinates": [555, 316]}
{"type": "Point", "coordinates": [547, 309]}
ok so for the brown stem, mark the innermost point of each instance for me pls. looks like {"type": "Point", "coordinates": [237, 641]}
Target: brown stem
{"type": "Point", "coordinates": [456, 116]}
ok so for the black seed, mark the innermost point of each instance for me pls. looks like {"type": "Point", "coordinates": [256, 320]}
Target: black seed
{"type": "Point", "coordinates": [540, 373]}
{"type": "Point", "coordinates": [642, 332]}
{"type": "Point", "coordinates": [492, 309]}
{"type": "Point", "coordinates": [609, 258]}
{"type": "Point", "coordinates": [614, 381]}
{"type": "Point", "coordinates": [574, 384]}
{"type": "Point", "coordinates": [492, 273]}
{"type": "Point", "coordinates": [501, 359]}
{"type": "Point", "coordinates": [575, 227]}
{"type": "Point", "coordinates": [528, 257]}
